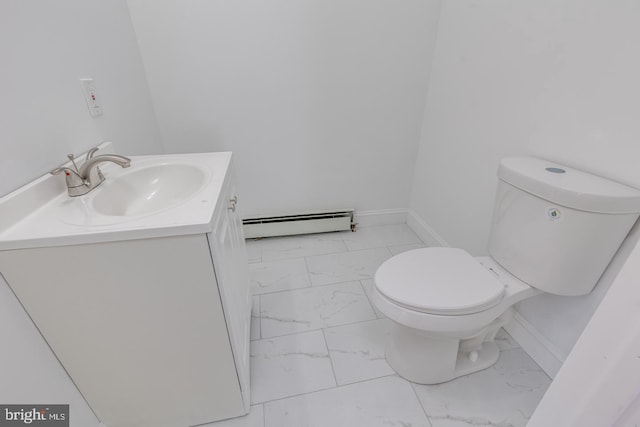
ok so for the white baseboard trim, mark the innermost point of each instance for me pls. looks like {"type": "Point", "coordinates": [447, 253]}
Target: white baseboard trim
{"type": "Point", "coordinates": [541, 350]}
{"type": "Point", "coordinates": [424, 231]}
{"type": "Point", "coordinates": [380, 217]}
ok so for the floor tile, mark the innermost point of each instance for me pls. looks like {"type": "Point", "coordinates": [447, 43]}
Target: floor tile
{"type": "Point", "coordinates": [278, 275]}
{"type": "Point", "coordinates": [294, 372]}
{"type": "Point", "coordinates": [289, 365]}
{"type": "Point", "coordinates": [357, 350]}
{"type": "Point", "coordinates": [343, 267]}
{"type": "Point", "coordinates": [275, 248]}
{"type": "Point", "coordinates": [504, 395]}
{"type": "Point", "coordinates": [254, 250]}
{"type": "Point", "coordinates": [384, 402]}
{"type": "Point", "coordinates": [380, 236]}
{"type": "Point", "coordinates": [307, 309]}
{"type": "Point", "coordinates": [368, 285]}
{"type": "Point", "coordinates": [397, 249]}
{"type": "Point", "coordinates": [255, 418]}
{"type": "Point", "coordinates": [254, 332]}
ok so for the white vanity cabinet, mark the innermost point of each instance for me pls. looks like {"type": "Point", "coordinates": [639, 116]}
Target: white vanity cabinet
{"type": "Point", "coordinates": [154, 331]}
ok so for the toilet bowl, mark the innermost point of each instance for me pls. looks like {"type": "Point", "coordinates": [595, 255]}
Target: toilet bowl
{"type": "Point", "coordinates": [447, 309]}
{"type": "Point", "coordinates": [554, 230]}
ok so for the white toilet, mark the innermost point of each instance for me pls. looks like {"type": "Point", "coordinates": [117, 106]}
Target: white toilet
{"type": "Point", "coordinates": [554, 230]}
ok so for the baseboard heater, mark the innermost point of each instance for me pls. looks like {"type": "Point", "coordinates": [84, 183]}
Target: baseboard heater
{"type": "Point", "coordinates": [308, 223]}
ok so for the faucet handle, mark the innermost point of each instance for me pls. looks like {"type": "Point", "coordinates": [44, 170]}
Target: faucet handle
{"type": "Point", "coordinates": [59, 170]}
{"type": "Point", "coordinates": [75, 184]}
{"type": "Point", "coordinates": [68, 172]}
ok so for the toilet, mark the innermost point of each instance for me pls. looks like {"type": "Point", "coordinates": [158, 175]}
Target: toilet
{"type": "Point", "coordinates": [554, 230]}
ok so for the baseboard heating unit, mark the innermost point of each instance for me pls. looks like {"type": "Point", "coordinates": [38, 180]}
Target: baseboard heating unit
{"type": "Point", "coordinates": [287, 225]}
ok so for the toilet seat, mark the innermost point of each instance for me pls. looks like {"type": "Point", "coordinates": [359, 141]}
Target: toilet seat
{"type": "Point", "coordinates": [442, 281]}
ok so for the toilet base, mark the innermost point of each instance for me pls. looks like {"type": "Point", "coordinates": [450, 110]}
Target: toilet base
{"type": "Point", "coordinates": [430, 359]}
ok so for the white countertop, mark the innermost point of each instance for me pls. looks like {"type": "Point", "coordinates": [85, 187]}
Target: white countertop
{"type": "Point", "coordinates": [41, 214]}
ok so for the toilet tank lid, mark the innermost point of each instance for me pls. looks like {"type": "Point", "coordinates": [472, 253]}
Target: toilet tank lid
{"type": "Point", "coordinates": [568, 186]}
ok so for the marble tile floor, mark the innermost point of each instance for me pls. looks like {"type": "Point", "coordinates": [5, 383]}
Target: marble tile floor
{"type": "Point", "coordinates": [317, 350]}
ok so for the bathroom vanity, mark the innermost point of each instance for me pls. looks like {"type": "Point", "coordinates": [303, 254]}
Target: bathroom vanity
{"type": "Point", "coordinates": [140, 287]}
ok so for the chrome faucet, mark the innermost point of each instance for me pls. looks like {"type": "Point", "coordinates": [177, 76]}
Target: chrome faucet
{"type": "Point", "coordinates": [81, 181]}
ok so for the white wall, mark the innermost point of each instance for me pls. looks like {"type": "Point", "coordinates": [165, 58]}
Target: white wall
{"type": "Point", "coordinates": [46, 47]}
{"type": "Point", "coordinates": [600, 377]}
{"type": "Point", "coordinates": [558, 80]}
{"type": "Point", "coordinates": [321, 101]}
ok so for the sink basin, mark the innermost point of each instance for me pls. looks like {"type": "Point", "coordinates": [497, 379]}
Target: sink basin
{"type": "Point", "coordinates": [158, 196]}
{"type": "Point", "coordinates": [148, 190]}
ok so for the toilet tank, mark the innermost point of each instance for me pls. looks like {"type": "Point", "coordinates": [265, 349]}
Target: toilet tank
{"type": "Point", "coordinates": [557, 228]}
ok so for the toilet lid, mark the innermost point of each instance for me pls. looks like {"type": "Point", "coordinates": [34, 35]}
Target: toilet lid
{"type": "Point", "coordinates": [445, 281]}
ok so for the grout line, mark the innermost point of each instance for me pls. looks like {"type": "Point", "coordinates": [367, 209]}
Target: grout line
{"type": "Point", "coordinates": [306, 264]}
{"type": "Point", "coordinates": [384, 245]}
{"type": "Point", "coordinates": [305, 255]}
{"type": "Point", "coordinates": [327, 254]}
{"type": "Point", "coordinates": [344, 241]}
{"type": "Point", "coordinates": [323, 327]}
{"type": "Point", "coordinates": [333, 369]}
{"type": "Point", "coordinates": [297, 395]}
{"type": "Point", "coordinates": [357, 382]}
{"type": "Point", "coordinates": [286, 335]}
{"type": "Point", "coordinates": [339, 283]}
{"type": "Point", "coordinates": [311, 287]}
{"type": "Point", "coordinates": [415, 393]}
{"type": "Point", "coordinates": [259, 318]}
{"type": "Point", "coordinates": [330, 388]}
{"type": "Point", "coordinates": [373, 309]}
{"type": "Point", "coordinates": [292, 289]}
{"type": "Point", "coordinates": [280, 260]}
{"type": "Point", "coordinates": [370, 379]}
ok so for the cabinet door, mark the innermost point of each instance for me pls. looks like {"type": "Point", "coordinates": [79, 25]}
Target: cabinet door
{"type": "Point", "coordinates": [231, 266]}
{"type": "Point", "coordinates": [138, 325]}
